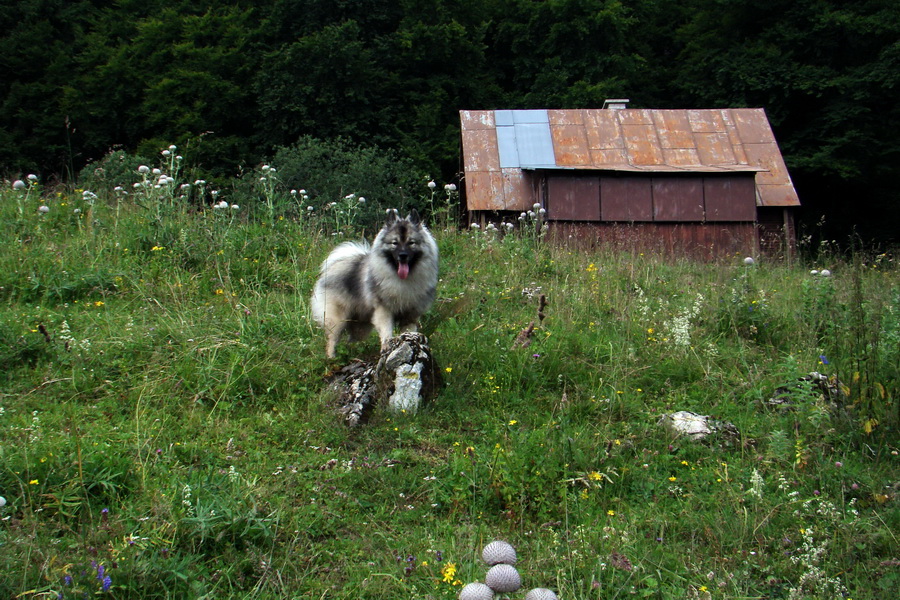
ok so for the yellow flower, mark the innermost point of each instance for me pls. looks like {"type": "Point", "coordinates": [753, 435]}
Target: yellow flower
{"type": "Point", "coordinates": [33, 482]}
{"type": "Point", "coordinates": [98, 303]}
{"type": "Point", "coordinates": [611, 513]}
{"type": "Point", "coordinates": [219, 292]}
{"type": "Point", "coordinates": [672, 478]}
{"type": "Point", "coordinates": [448, 572]}
{"type": "Point", "coordinates": [513, 422]}
{"type": "Point", "coordinates": [157, 248]}
{"type": "Point", "coordinates": [449, 369]}
{"type": "Point", "coordinates": [595, 476]}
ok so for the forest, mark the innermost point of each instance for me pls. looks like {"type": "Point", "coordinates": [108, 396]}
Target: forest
{"type": "Point", "coordinates": [233, 82]}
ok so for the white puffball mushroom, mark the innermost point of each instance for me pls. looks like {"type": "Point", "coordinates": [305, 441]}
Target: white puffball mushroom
{"type": "Point", "coordinates": [503, 578]}
{"type": "Point", "coordinates": [476, 591]}
{"type": "Point", "coordinates": [499, 552]}
{"type": "Point", "coordinates": [541, 594]}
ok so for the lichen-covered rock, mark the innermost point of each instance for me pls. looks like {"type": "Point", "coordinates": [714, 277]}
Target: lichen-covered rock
{"type": "Point", "coordinates": [404, 377]}
{"type": "Point", "coordinates": [690, 425]}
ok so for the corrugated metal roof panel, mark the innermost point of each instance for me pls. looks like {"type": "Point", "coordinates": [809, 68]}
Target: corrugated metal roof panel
{"type": "Point", "coordinates": [535, 145]}
{"type": "Point", "coordinates": [630, 140]}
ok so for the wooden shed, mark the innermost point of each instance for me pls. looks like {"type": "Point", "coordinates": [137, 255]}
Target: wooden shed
{"type": "Point", "coordinates": [709, 180]}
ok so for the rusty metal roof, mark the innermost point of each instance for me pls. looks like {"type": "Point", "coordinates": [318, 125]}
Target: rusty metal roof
{"type": "Point", "coordinates": [499, 145]}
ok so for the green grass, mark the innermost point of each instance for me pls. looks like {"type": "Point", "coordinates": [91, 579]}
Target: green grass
{"type": "Point", "coordinates": [164, 414]}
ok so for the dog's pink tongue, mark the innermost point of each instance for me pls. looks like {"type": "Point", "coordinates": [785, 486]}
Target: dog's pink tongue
{"type": "Point", "coordinates": [403, 271]}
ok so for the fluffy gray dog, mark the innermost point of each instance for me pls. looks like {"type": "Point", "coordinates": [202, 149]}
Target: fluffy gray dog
{"type": "Point", "coordinates": [388, 284]}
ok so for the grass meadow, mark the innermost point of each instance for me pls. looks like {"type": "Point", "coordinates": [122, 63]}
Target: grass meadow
{"type": "Point", "coordinates": [166, 430]}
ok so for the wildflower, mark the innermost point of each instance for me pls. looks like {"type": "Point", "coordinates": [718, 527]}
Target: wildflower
{"type": "Point", "coordinates": [672, 478]}
{"type": "Point", "coordinates": [166, 152]}
{"type": "Point", "coordinates": [449, 369]}
{"type": "Point", "coordinates": [32, 177]}
{"type": "Point", "coordinates": [235, 207]}
{"type": "Point", "coordinates": [33, 482]}
{"type": "Point", "coordinates": [448, 572]}
{"type": "Point", "coordinates": [99, 303]}
{"type": "Point", "coordinates": [43, 209]}
{"type": "Point", "coordinates": [293, 192]}
{"type": "Point", "coordinates": [513, 422]}
{"type": "Point", "coordinates": [814, 272]}
{"type": "Point", "coordinates": [107, 583]}
{"type": "Point", "coordinates": [18, 184]}
{"type": "Point", "coordinates": [823, 360]}
{"type": "Point", "coordinates": [595, 476]}
{"type": "Point", "coordinates": [431, 185]}
{"type": "Point", "coordinates": [825, 273]}
{"type": "Point", "coordinates": [749, 261]}
{"type": "Point", "coordinates": [362, 200]}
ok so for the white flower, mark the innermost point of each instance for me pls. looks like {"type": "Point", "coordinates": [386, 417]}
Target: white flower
{"type": "Point", "coordinates": [77, 211]}
{"type": "Point", "coordinates": [43, 209]}
{"type": "Point", "coordinates": [537, 206]}
{"type": "Point", "coordinates": [362, 200]}
{"type": "Point", "coordinates": [531, 214]}
{"type": "Point", "coordinates": [137, 185]}
{"type": "Point", "coordinates": [166, 152]}
{"type": "Point", "coordinates": [214, 193]}
{"type": "Point", "coordinates": [543, 211]}
{"type": "Point", "coordinates": [235, 207]}
{"type": "Point", "coordinates": [293, 192]}
{"type": "Point", "coordinates": [813, 272]}
{"type": "Point", "coordinates": [200, 182]}
{"type": "Point", "coordinates": [749, 261]}
{"type": "Point", "coordinates": [451, 187]}
{"type": "Point", "coordinates": [302, 192]}
{"type": "Point", "coordinates": [310, 208]}
{"type": "Point", "coordinates": [825, 273]}
{"type": "Point", "coordinates": [32, 177]}
{"type": "Point", "coordinates": [173, 147]}
{"type": "Point", "coordinates": [266, 168]}
{"type": "Point", "coordinates": [156, 172]}
{"type": "Point", "coordinates": [143, 169]}
{"type": "Point", "coordinates": [431, 185]}
{"type": "Point", "coordinates": [185, 187]}
{"type": "Point", "coordinates": [179, 157]}
{"type": "Point", "coordinates": [475, 226]}
{"type": "Point", "coordinates": [18, 184]}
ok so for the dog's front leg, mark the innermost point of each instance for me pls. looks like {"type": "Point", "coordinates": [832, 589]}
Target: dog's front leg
{"type": "Point", "coordinates": [383, 321]}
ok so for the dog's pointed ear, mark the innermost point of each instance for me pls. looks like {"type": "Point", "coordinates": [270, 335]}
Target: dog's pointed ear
{"type": "Point", "coordinates": [413, 217]}
{"type": "Point", "coordinates": [392, 217]}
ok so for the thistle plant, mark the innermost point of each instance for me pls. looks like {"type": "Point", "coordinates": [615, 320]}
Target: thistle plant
{"type": "Point", "coordinates": [344, 213]}
{"type": "Point", "coordinates": [267, 185]}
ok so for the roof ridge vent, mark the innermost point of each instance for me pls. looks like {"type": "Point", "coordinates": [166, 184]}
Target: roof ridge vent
{"type": "Point", "coordinates": [615, 103]}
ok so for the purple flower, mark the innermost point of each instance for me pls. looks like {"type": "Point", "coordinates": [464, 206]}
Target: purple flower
{"type": "Point", "coordinates": [67, 580]}
{"type": "Point", "coordinates": [107, 583]}
{"type": "Point", "coordinates": [823, 359]}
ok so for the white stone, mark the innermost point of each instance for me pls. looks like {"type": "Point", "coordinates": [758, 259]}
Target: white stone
{"type": "Point", "coordinates": [476, 591]}
{"type": "Point", "coordinates": [503, 578]}
{"type": "Point", "coordinates": [541, 594]}
{"type": "Point", "coordinates": [499, 552]}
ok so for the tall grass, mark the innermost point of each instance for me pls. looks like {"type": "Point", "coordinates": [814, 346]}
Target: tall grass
{"type": "Point", "coordinates": [166, 429]}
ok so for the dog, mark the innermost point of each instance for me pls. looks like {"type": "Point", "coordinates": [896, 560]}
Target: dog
{"type": "Point", "coordinates": [386, 285]}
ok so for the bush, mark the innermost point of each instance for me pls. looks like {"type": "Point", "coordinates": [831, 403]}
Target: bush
{"type": "Point", "coordinates": [330, 170]}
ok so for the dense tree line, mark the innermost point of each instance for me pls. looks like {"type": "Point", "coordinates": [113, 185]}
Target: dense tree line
{"type": "Point", "coordinates": [232, 81]}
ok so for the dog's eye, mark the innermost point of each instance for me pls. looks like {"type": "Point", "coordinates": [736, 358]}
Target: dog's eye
{"type": "Point", "coordinates": [412, 242]}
